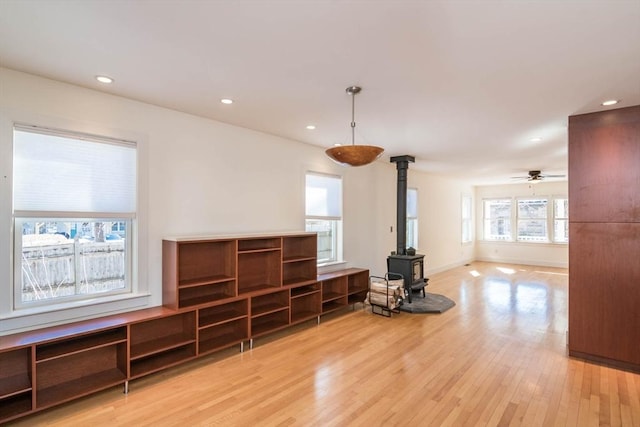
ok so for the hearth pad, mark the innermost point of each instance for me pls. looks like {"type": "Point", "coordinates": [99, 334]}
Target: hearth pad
{"type": "Point", "coordinates": [431, 303]}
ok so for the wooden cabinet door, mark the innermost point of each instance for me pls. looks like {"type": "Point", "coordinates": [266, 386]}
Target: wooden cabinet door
{"type": "Point", "coordinates": [604, 290]}
{"type": "Point", "coordinates": [604, 166]}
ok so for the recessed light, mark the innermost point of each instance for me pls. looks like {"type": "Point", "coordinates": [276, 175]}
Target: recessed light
{"type": "Point", "coordinates": [311, 127]}
{"type": "Point", "coordinates": [226, 101]}
{"type": "Point", "coordinates": [610, 102]}
{"type": "Point", "coordinates": [104, 79]}
{"type": "Point", "coordinates": [535, 139]}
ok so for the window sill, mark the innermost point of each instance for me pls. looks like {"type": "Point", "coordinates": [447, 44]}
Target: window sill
{"type": "Point", "coordinates": [38, 317]}
{"type": "Point", "coordinates": [331, 266]}
{"type": "Point", "coordinates": [518, 242]}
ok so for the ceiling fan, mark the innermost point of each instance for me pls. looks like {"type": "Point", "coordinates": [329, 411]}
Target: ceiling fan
{"type": "Point", "coordinates": [536, 176]}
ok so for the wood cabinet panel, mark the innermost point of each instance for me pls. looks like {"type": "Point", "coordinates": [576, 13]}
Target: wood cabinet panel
{"type": "Point", "coordinates": [604, 290]}
{"type": "Point", "coordinates": [604, 166]}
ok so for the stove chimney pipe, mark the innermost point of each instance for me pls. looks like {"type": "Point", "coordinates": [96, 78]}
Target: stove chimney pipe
{"type": "Point", "coordinates": [402, 165]}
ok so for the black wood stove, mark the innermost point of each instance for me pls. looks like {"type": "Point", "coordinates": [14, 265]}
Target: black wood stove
{"type": "Point", "coordinates": [411, 266]}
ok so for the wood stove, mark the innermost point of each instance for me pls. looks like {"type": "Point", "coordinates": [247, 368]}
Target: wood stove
{"type": "Point", "coordinates": [410, 266]}
{"type": "Point", "coordinates": [412, 269]}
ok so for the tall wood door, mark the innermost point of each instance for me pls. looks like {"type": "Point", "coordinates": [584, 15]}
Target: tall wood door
{"type": "Point", "coordinates": [604, 236]}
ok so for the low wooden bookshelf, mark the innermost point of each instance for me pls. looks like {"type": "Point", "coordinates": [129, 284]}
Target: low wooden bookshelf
{"type": "Point", "coordinates": [217, 293]}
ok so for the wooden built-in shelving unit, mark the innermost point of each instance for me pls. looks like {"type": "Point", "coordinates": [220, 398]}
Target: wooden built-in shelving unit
{"type": "Point", "coordinates": [217, 293]}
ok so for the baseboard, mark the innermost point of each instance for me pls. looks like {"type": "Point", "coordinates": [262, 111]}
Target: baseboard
{"type": "Point", "coordinates": [525, 262]}
{"type": "Point", "coordinates": [430, 271]}
{"type": "Point", "coordinates": [626, 366]}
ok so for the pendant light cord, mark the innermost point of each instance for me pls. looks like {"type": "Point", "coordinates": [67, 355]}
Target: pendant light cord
{"type": "Point", "coordinates": [353, 119]}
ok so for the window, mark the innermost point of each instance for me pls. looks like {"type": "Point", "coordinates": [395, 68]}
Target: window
{"type": "Point", "coordinates": [497, 219]}
{"type": "Point", "coordinates": [467, 232]}
{"type": "Point", "coordinates": [323, 210]}
{"type": "Point", "coordinates": [74, 215]}
{"type": "Point", "coordinates": [532, 220]}
{"type": "Point", "coordinates": [412, 218]}
{"type": "Point", "coordinates": [561, 220]}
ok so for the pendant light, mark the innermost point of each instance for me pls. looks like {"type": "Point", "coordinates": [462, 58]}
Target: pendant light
{"type": "Point", "coordinates": [354, 155]}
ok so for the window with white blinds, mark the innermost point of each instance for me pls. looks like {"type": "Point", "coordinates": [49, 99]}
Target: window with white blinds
{"type": "Point", "coordinates": [323, 214]}
{"type": "Point", "coordinates": [74, 211]}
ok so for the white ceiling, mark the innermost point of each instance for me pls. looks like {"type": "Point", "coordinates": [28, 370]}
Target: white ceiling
{"type": "Point", "coordinates": [461, 85]}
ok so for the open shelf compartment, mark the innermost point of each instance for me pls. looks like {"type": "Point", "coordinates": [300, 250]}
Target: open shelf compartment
{"type": "Point", "coordinates": [84, 373]}
{"type": "Point", "coordinates": [212, 316]}
{"type": "Point", "coordinates": [223, 335]}
{"type": "Point", "coordinates": [205, 294]}
{"type": "Point", "coordinates": [335, 288]}
{"type": "Point", "coordinates": [358, 286]}
{"type": "Point", "coordinates": [299, 272]}
{"type": "Point", "coordinates": [206, 262]}
{"type": "Point", "coordinates": [266, 244]}
{"type": "Point", "coordinates": [15, 383]}
{"type": "Point", "coordinates": [15, 406]}
{"type": "Point", "coordinates": [299, 291]}
{"type": "Point", "coordinates": [270, 322]}
{"type": "Point", "coordinates": [81, 343]}
{"type": "Point", "coordinates": [305, 307]}
{"type": "Point", "coordinates": [269, 303]}
{"type": "Point", "coordinates": [258, 271]}
{"type": "Point", "coordinates": [162, 334]}
{"type": "Point", "coordinates": [162, 360]}
{"type": "Point", "coordinates": [299, 248]}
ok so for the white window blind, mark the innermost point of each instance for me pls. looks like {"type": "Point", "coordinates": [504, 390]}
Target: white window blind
{"type": "Point", "coordinates": [55, 173]}
{"type": "Point", "coordinates": [323, 196]}
{"type": "Point", "coordinates": [412, 218]}
{"type": "Point", "coordinates": [466, 219]}
{"type": "Point", "coordinates": [412, 203]}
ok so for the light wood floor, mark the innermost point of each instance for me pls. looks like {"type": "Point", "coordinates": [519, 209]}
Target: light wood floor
{"type": "Point", "coordinates": [498, 357]}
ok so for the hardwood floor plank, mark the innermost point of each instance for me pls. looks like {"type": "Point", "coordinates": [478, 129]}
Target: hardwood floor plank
{"type": "Point", "coordinates": [498, 358]}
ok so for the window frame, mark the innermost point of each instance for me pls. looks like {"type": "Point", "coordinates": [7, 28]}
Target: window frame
{"type": "Point", "coordinates": [335, 222]}
{"type": "Point", "coordinates": [555, 218]}
{"type": "Point", "coordinates": [412, 221]}
{"type": "Point", "coordinates": [19, 217]}
{"type": "Point", "coordinates": [544, 219]}
{"type": "Point", "coordinates": [550, 219]}
{"type": "Point", "coordinates": [509, 218]}
{"type": "Point", "coordinates": [466, 216]}
{"type": "Point", "coordinates": [78, 297]}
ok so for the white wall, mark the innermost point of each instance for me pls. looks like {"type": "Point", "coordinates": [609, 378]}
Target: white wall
{"type": "Point", "coordinates": [547, 254]}
{"type": "Point", "coordinates": [199, 176]}
{"type": "Point", "coordinates": [440, 221]}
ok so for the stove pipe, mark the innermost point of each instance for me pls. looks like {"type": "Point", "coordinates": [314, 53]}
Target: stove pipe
{"type": "Point", "coordinates": [402, 165]}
